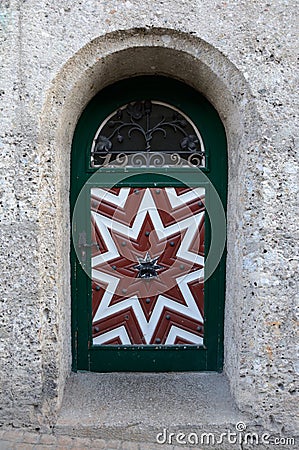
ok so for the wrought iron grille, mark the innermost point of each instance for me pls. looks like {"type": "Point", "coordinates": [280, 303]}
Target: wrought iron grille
{"type": "Point", "coordinates": [147, 134]}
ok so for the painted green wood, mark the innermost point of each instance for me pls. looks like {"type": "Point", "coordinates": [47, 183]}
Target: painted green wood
{"type": "Point", "coordinates": [147, 358]}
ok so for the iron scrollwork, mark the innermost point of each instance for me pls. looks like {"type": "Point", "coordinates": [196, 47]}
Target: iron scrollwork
{"type": "Point", "coordinates": [150, 134]}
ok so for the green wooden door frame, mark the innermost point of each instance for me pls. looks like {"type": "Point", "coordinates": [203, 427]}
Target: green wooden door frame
{"type": "Point", "coordinates": [152, 358]}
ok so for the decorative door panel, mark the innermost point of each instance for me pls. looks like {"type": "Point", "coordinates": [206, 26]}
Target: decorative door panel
{"type": "Point", "coordinates": [147, 266]}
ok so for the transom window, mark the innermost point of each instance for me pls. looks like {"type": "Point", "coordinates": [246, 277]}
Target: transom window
{"type": "Point", "coordinates": [147, 133]}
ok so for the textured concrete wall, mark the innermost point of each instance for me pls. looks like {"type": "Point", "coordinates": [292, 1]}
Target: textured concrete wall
{"type": "Point", "coordinates": [55, 56]}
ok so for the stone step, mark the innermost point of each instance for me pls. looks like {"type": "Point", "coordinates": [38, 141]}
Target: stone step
{"type": "Point", "coordinates": [148, 407]}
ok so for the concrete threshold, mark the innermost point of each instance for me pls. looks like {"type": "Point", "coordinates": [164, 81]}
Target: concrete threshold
{"type": "Point", "coordinates": [138, 406]}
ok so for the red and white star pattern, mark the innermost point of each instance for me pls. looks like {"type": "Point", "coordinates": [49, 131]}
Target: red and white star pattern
{"type": "Point", "coordinates": [162, 225]}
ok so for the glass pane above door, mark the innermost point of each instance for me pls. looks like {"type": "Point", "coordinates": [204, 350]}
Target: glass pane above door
{"type": "Point", "coordinates": [147, 134]}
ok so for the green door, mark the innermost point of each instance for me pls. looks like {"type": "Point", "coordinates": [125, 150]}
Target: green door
{"type": "Point", "coordinates": [148, 200]}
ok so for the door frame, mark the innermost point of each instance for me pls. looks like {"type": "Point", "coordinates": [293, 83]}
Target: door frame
{"type": "Point", "coordinates": [201, 112]}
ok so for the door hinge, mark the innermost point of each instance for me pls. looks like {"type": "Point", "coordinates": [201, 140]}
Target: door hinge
{"type": "Point", "coordinates": [82, 244]}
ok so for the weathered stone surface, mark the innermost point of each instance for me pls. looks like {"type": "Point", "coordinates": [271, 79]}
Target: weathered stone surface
{"type": "Point", "coordinates": [198, 399]}
{"type": "Point", "coordinates": [54, 57]}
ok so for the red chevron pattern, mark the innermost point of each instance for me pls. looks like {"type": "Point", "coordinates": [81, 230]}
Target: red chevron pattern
{"type": "Point", "coordinates": [147, 274]}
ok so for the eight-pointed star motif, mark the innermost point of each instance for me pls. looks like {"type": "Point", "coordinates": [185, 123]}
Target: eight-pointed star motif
{"type": "Point", "coordinates": [161, 229]}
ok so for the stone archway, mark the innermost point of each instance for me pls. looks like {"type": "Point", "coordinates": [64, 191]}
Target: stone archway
{"type": "Point", "coordinates": [101, 62]}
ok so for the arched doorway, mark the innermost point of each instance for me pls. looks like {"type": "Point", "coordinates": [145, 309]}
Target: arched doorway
{"type": "Point", "coordinates": [148, 165]}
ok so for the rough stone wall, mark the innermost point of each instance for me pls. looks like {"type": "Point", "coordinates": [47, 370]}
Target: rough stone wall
{"type": "Point", "coordinates": [39, 39]}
